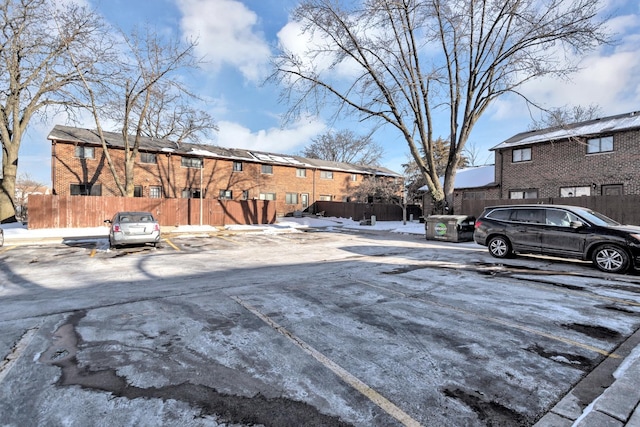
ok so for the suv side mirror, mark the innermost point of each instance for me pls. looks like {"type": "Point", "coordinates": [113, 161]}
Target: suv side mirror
{"type": "Point", "coordinates": [576, 224]}
{"type": "Point", "coordinates": [107, 221]}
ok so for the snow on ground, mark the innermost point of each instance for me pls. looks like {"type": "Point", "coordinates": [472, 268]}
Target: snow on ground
{"type": "Point", "coordinates": [19, 231]}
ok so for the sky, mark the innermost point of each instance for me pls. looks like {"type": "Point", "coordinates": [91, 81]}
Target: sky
{"type": "Point", "coordinates": [237, 37]}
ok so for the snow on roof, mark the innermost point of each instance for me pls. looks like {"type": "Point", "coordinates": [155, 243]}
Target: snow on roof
{"type": "Point", "coordinates": [471, 177]}
{"type": "Point", "coordinates": [591, 127]}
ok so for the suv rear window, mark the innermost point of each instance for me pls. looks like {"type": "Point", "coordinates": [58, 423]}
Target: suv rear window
{"type": "Point", "coordinates": [502, 214]}
{"type": "Point", "coordinates": [529, 215]}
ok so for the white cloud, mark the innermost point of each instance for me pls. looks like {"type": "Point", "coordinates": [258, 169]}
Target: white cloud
{"type": "Point", "coordinates": [227, 35]}
{"type": "Point", "coordinates": [276, 140]}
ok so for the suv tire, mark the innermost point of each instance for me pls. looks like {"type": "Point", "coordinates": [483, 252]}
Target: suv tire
{"type": "Point", "coordinates": [500, 247]}
{"type": "Point", "coordinates": [611, 259]}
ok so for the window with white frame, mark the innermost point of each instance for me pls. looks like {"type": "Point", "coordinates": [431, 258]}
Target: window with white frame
{"type": "Point", "coordinates": [584, 190]}
{"type": "Point", "coordinates": [155, 192]}
{"type": "Point", "coordinates": [84, 152]}
{"type": "Point", "coordinates": [291, 198]}
{"type": "Point", "coordinates": [237, 166]}
{"type": "Point", "coordinates": [226, 194]}
{"type": "Point", "coordinates": [326, 174]}
{"type": "Point", "coordinates": [523, 194]}
{"type": "Point", "coordinates": [267, 196]}
{"type": "Point", "coordinates": [521, 155]}
{"type": "Point", "coordinates": [600, 145]}
{"type": "Point", "coordinates": [325, 198]}
{"type": "Point", "coordinates": [191, 162]}
{"type": "Point", "coordinates": [267, 169]}
{"type": "Point", "coordinates": [354, 177]}
{"type": "Point", "coordinates": [245, 194]}
{"type": "Point", "coordinates": [148, 158]}
{"type": "Point", "coordinates": [85, 189]}
{"type": "Point", "coordinates": [191, 193]}
{"type": "Point", "coordinates": [301, 173]}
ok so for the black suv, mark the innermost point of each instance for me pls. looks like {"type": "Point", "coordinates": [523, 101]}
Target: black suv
{"type": "Point", "coordinates": [563, 231]}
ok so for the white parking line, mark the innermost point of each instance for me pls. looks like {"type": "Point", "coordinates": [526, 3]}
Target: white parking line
{"type": "Point", "coordinates": [354, 382]}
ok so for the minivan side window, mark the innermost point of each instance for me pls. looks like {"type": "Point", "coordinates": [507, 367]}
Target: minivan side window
{"type": "Point", "coordinates": [535, 216]}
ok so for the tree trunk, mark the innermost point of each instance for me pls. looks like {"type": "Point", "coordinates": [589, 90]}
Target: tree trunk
{"type": "Point", "coordinates": [8, 183]}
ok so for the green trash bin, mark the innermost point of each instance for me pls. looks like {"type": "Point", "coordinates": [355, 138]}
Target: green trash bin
{"type": "Point", "coordinates": [450, 228]}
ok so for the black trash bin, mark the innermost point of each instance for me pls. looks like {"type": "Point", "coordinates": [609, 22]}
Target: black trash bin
{"type": "Point", "coordinates": [450, 228]}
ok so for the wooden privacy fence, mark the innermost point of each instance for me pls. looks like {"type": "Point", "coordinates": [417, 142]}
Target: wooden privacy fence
{"type": "Point", "coordinates": [624, 209]}
{"type": "Point", "coordinates": [360, 211]}
{"type": "Point", "coordinates": [48, 211]}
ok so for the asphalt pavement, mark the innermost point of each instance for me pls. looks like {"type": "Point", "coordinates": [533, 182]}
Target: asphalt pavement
{"type": "Point", "coordinates": [617, 405]}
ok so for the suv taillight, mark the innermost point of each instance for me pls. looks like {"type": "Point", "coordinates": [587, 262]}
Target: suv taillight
{"type": "Point", "coordinates": [156, 227]}
{"type": "Point", "coordinates": [477, 224]}
{"type": "Point", "coordinates": [116, 228]}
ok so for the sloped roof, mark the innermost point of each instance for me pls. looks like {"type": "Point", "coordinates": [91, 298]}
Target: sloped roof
{"type": "Point", "coordinates": [471, 177]}
{"type": "Point", "coordinates": [88, 136]}
{"type": "Point", "coordinates": [617, 123]}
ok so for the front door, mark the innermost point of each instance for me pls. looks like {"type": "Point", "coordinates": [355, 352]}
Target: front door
{"type": "Point", "coordinates": [304, 198]}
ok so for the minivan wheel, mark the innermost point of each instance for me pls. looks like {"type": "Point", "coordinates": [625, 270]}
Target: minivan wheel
{"type": "Point", "coordinates": [500, 247]}
{"type": "Point", "coordinates": [611, 259]}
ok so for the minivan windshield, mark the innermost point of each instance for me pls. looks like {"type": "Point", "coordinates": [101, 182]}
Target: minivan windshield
{"type": "Point", "coordinates": [596, 218]}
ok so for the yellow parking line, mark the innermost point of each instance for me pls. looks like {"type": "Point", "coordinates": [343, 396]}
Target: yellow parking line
{"type": "Point", "coordinates": [501, 322]}
{"type": "Point", "coordinates": [6, 248]}
{"type": "Point", "coordinates": [228, 240]}
{"type": "Point", "coordinates": [347, 377]}
{"type": "Point", "coordinates": [93, 253]}
{"type": "Point", "coordinates": [171, 244]}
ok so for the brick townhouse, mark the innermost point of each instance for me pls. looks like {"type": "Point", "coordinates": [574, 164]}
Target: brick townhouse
{"type": "Point", "coordinates": [595, 157]}
{"type": "Point", "coordinates": [166, 169]}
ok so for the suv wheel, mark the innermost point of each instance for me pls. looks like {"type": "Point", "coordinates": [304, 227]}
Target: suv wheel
{"type": "Point", "coordinates": [611, 259]}
{"type": "Point", "coordinates": [500, 247]}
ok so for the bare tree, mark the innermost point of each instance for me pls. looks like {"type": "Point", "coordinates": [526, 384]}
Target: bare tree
{"type": "Point", "coordinates": [35, 72]}
{"type": "Point", "coordinates": [376, 189]}
{"type": "Point", "coordinates": [562, 116]}
{"type": "Point", "coordinates": [25, 186]}
{"type": "Point", "coordinates": [345, 146]}
{"type": "Point", "coordinates": [408, 61]}
{"type": "Point", "coordinates": [145, 95]}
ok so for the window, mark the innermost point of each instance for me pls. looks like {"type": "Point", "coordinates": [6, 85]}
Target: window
{"type": "Point", "coordinates": [354, 177]}
{"type": "Point", "coordinates": [85, 189]}
{"type": "Point", "coordinates": [521, 155]}
{"type": "Point", "coordinates": [155, 192]}
{"type": "Point", "coordinates": [301, 173]}
{"type": "Point", "coordinates": [325, 198]}
{"type": "Point", "coordinates": [575, 191]}
{"type": "Point", "coordinates": [191, 162]}
{"type": "Point", "coordinates": [560, 218]}
{"type": "Point", "coordinates": [291, 198]}
{"type": "Point", "coordinates": [326, 174]}
{"type": "Point", "coordinates": [191, 193]}
{"type": "Point", "coordinates": [600, 145]}
{"type": "Point", "coordinates": [536, 216]}
{"type": "Point", "coordinates": [148, 158]}
{"type": "Point", "coordinates": [612, 190]}
{"type": "Point", "coordinates": [226, 194]}
{"type": "Point", "coordinates": [237, 166]}
{"type": "Point", "coordinates": [84, 152]}
{"type": "Point", "coordinates": [267, 196]}
{"type": "Point", "coordinates": [267, 169]}
{"type": "Point", "coordinates": [523, 194]}
{"type": "Point", "coordinates": [137, 191]}
{"type": "Point", "coordinates": [245, 194]}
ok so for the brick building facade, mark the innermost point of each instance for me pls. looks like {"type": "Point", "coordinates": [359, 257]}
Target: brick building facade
{"type": "Point", "coordinates": [165, 169]}
{"type": "Point", "coordinates": [597, 157]}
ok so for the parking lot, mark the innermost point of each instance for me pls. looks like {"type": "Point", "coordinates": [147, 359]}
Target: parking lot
{"type": "Point", "coordinates": [302, 328]}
